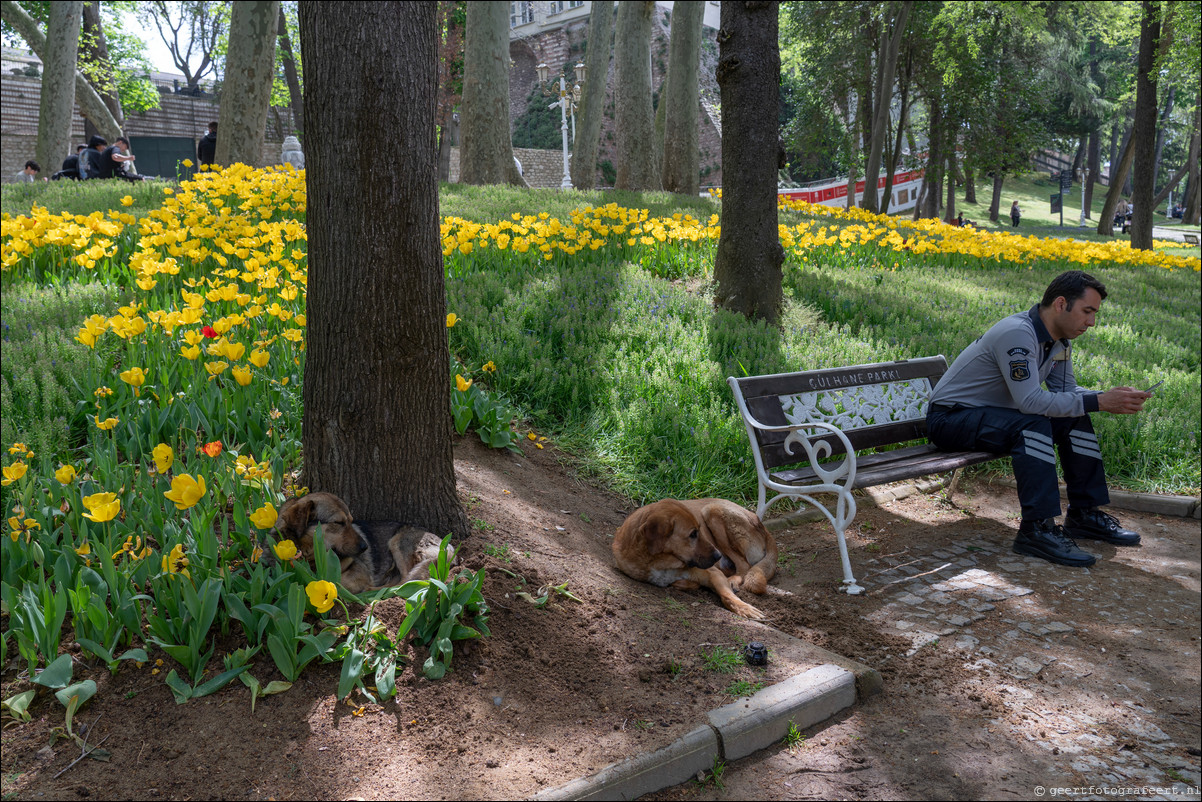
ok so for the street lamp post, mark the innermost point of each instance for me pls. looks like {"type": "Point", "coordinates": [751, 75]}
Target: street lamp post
{"type": "Point", "coordinates": [567, 102]}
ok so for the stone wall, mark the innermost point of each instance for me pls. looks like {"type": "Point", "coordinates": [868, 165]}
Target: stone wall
{"type": "Point", "coordinates": [540, 168]}
{"type": "Point", "coordinates": [177, 115]}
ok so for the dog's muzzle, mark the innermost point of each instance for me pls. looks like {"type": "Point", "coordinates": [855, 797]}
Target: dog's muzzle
{"type": "Point", "coordinates": [709, 560]}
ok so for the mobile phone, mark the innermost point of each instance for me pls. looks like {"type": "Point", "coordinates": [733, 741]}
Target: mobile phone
{"type": "Point", "coordinates": [1154, 386]}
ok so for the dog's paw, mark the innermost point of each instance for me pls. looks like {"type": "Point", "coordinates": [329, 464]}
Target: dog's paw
{"type": "Point", "coordinates": [745, 610]}
{"type": "Point", "coordinates": [736, 582]}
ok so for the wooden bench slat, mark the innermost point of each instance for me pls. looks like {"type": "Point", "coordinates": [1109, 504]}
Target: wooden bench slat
{"type": "Point", "coordinates": [902, 463]}
{"type": "Point", "coordinates": [835, 378]}
{"type": "Point", "coordinates": [772, 443]}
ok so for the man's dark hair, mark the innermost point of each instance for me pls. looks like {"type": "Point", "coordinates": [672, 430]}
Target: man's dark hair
{"type": "Point", "coordinates": [78, 148]}
{"type": "Point", "coordinates": [123, 139]}
{"type": "Point", "coordinates": [97, 141]}
{"type": "Point", "coordinates": [212, 128]}
{"type": "Point", "coordinates": [36, 167]}
{"type": "Point", "coordinates": [1071, 284]}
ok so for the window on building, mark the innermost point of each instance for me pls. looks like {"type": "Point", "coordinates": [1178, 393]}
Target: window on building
{"type": "Point", "coordinates": [521, 13]}
{"type": "Point", "coordinates": [559, 7]}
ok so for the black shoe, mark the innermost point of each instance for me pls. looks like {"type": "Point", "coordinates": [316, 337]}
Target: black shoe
{"type": "Point", "coordinates": [1046, 540]}
{"type": "Point", "coordinates": [1093, 524]}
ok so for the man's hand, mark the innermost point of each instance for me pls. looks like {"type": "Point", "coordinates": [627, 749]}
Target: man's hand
{"type": "Point", "coordinates": [1123, 400]}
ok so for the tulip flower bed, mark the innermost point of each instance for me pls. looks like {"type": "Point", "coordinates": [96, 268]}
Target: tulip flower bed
{"type": "Point", "coordinates": [159, 434]}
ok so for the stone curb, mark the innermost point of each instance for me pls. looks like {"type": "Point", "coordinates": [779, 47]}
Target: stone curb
{"type": "Point", "coordinates": [733, 731]}
{"type": "Point", "coordinates": [1177, 506]}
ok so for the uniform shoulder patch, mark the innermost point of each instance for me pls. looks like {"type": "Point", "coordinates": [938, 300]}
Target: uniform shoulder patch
{"type": "Point", "coordinates": [1019, 350]}
{"type": "Point", "coordinates": [1020, 370]}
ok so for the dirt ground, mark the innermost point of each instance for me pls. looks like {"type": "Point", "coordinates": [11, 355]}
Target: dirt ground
{"type": "Point", "coordinates": [1061, 677]}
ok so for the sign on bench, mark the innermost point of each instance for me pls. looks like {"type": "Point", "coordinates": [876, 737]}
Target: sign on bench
{"type": "Point", "coordinates": [806, 428]}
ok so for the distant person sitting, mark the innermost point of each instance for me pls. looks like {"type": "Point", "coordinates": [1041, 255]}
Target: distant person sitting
{"type": "Point", "coordinates": [206, 149]}
{"type": "Point", "coordinates": [29, 173]}
{"type": "Point", "coordinates": [114, 160]}
{"type": "Point", "coordinates": [89, 159]}
{"type": "Point", "coordinates": [70, 168]}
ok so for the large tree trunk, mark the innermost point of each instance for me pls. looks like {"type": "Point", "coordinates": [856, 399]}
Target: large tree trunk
{"type": "Point", "coordinates": [1092, 165]}
{"type": "Point", "coordinates": [295, 96]}
{"type": "Point", "coordinates": [1161, 129]}
{"type": "Point", "coordinates": [949, 213]}
{"type": "Point", "coordinates": [747, 265]}
{"type": "Point", "coordinates": [58, 85]}
{"type": "Point", "coordinates": [246, 90]}
{"type": "Point", "coordinates": [96, 48]}
{"type": "Point", "coordinates": [995, 201]}
{"type": "Point", "coordinates": [634, 116]}
{"type": "Point", "coordinates": [592, 104]}
{"type": "Point", "coordinates": [376, 390]}
{"type": "Point", "coordinates": [485, 143]}
{"type": "Point", "coordinates": [1144, 134]}
{"type": "Point", "coordinates": [931, 178]}
{"type": "Point", "coordinates": [886, 68]}
{"type": "Point", "coordinates": [681, 99]}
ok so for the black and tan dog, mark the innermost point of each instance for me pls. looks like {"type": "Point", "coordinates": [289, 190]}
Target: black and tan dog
{"type": "Point", "coordinates": [687, 544]}
{"type": "Point", "coordinates": [374, 554]}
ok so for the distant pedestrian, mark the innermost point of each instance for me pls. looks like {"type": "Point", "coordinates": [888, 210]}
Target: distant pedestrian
{"type": "Point", "coordinates": [206, 149]}
{"type": "Point", "coordinates": [1015, 214]}
{"type": "Point", "coordinates": [29, 173]}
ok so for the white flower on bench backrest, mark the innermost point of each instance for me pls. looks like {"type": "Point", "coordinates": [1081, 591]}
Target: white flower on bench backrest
{"type": "Point", "coordinates": [851, 408]}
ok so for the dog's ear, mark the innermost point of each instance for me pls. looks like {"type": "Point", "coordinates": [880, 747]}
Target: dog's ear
{"type": "Point", "coordinates": [294, 518]}
{"type": "Point", "coordinates": [655, 532]}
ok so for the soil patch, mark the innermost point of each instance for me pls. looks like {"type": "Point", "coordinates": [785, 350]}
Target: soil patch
{"type": "Point", "coordinates": [560, 691]}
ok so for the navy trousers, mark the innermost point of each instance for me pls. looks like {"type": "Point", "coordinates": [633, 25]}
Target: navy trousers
{"type": "Point", "coordinates": [1032, 441]}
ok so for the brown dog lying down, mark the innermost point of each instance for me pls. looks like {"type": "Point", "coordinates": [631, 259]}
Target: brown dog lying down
{"type": "Point", "coordinates": [709, 541]}
{"type": "Point", "coordinates": [374, 554]}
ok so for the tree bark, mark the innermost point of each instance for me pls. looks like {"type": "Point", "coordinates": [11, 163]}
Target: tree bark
{"type": "Point", "coordinates": [592, 104]}
{"type": "Point", "coordinates": [681, 100]}
{"type": "Point", "coordinates": [949, 212]}
{"type": "Point", "coordinates": [747, 265]}
{"type": "Point", "coordinates": [1118, 177]}
{"type": "Point", "coordinates": [1144, 134]}
{"type": "Point", "coordinates": [376, 392]}
{"type": "Point", "coordinates": [886, 68]}
{"type": "Point", "coordinates": [1092, 165]}
{"type": "Point", "coordinates": [295, 96]}
{"type": "Point", "coordinates": [90, 104]}
{"type": "Point", "coordinates": [246, 90]}
{"type": "Point", "coordinates": [995, 202]}
{"type": "Point", "coordinates": [58, 89]}
{"type": "Point", "coordinates": [1161, 129]}
{"type": "Point", "coordinates": [634, 116]}
{"type": "Point", "coordinates": [485, 143]}
{"type": "Point", "coordinates": [1172, 183]}
{"type": "Point", "coordinates": [970, 186]}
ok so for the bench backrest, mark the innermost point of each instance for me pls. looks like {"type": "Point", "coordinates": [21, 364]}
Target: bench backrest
{"type": "Point", "coordinates": [874, 405]}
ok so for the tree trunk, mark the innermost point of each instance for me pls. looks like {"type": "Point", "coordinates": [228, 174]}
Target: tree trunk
{"type": "Point", "coordinates": [58, 89]}
{"type": "Point", "coordinates": [747, 265]}
{"type": "Point", "coordinates": [634, 117]}
{"type": "Point", "coordinates": [97, 50]}
{"type": "Point", "coordinates": [376, 392]}
{"type": "Point", "coordinates": [246, 89]}
{"type": "Point", "coordinates": [1118, 177]}
{"type": "Point", "coordinates": [90, 104]}
{"type": "Point", "coordinates": [1144, 134]}
{"type": "Point", "coordinates": [485, 142]}
{"type": "Point", "coordinates": [1092, 163]}
{"type": "Point", "coordinates": [592, 105]}
{"type": "Point", "coordinates": [930, 205]}
{"type": "Point", "coordinates": [681, 100]}
{"type": "Point", "coordinates": [853, 157]}
{"type": "Point", "coordinates": [1160, 132]}
{"type": "Point", "coordinates": [886, 68]}
{"type": "Point", "coordinates": [1173, 182]}
{"type": "Point", "coordinates": [949, 213]}
{"type": "Point", "coordinates": [1193, 190]}
{"type": "Point", "coordinates": [995, 202]}
{"type": "Point", "coordinates": [970, 186]}
{"type": "Point", "coordinates": [295, 96]}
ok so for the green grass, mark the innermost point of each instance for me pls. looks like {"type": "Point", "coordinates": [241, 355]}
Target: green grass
{"type": "Point", "coordinates": [721, 660]}
{"type": "Point", "coordinates": [489, 204]}
{"type": "Point", "coordinates": [83, 197]}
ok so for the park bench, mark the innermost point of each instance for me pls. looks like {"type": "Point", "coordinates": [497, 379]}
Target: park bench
{"type": "Point", "coordinates": [1191, 240]}
{"type": "Point", "coordinates": [806, 429]}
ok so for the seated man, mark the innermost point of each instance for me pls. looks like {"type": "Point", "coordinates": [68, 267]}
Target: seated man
{"type": "Point", "coordinates": [89, 157]}
{"type": "Point", "coordinates": [991, 399]}
{"type": "Point", "coordinates": [115, 158]}
{"type": "Point", "coordinates": [70, 168]}
{"type": "Point", "coordinates": [28, 173]}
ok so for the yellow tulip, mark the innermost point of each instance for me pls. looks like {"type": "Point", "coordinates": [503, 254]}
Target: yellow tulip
{"type": "Point", "coordinates": [215, 369]}
{"type": "Point", "coordinates": [101, 507]}
{"type": "Point", "coordinates": [128, 200]}
{"type": "Point", "coordinates": [65, 475]}
{"type": "Point", "coordinates": [163, 457]}
{"type": "Point", "coordinates": [242, 375]}
{"type": "Point", "coordinates": [259, 358]}
{"type": "Point", "coordinates": [176, 562]}
{"type": "Point", "coordinates": [13, 472]}
{"type": "Point", "coordinates": [107, 424]}
{"type": "Point", "coordinates": [134, 376]}
{"type": "Point", "coordinates": [186, 491]}
{"type": "Point", "coordinates": [452, 319]}
{"type": "Point", "coordinates": [321, 594]}
{"type": "Point", "coordinates": [462, 384]}
{"type": "Point", "coordinates": [264, 517]}
{"type": "Point", "coordinates": [285, 550]}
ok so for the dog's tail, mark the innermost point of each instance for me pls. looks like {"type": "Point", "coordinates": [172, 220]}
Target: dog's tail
{"type": "Point", "coordinates": [758, 576]}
